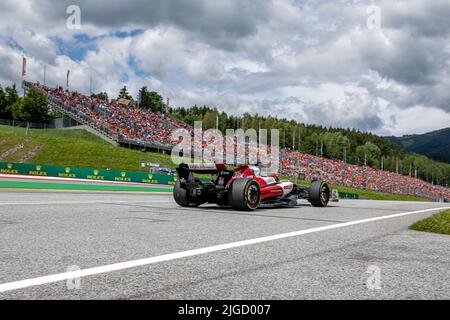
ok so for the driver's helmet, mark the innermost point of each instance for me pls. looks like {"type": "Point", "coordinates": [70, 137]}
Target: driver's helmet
{"type": "Point", "coordinates": [255, 170]}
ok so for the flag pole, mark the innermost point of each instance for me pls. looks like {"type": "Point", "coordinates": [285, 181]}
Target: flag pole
{"type": "Point", "coordinates": [67, 82]}
{"type": "Point", "coordinates": [90, 83]}
{"type": "Point", "coordinates": [24, 71]}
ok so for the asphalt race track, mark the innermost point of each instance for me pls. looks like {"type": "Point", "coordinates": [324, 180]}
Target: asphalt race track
{"type": "Point", "coordinates": [312, 253]}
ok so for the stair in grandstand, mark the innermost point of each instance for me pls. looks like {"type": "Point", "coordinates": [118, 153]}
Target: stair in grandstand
{"type": "Point", "coordinates": [102, 131]}
{"type": "Point", "coordinates": [87, 125]}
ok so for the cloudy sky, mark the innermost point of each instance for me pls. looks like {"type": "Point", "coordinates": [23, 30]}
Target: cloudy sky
{"type": "Point", "coordinates": [380, 65]}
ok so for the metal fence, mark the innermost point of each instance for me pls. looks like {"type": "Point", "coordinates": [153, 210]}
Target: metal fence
{"type": "Point", "coordinates": [55, 123]}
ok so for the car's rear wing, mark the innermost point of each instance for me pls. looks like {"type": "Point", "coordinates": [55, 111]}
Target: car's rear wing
{"type": "Point", "coordinates": [201, 168]}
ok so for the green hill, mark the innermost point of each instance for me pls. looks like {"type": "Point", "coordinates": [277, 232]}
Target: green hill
{"type": "Point", "coordinates": [434, 144]}
{"type": "Point", "coordinates": [62, 147]}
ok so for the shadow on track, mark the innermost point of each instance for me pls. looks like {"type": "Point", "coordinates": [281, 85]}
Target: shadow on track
{"type": "Point", "coordinates": [226, 210]}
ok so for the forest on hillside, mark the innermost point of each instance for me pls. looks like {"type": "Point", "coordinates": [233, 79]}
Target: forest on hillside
{"type": "Point", "coordinates": [435, 145]}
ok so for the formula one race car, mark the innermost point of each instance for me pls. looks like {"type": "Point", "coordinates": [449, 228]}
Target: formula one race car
{"type": "Point", "coordinates": [244, 188]}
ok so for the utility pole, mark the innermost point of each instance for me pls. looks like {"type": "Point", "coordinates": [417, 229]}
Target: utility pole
{"type": "Point", "coordinates": [259, 127]}
{"type": "Point", "coordinates": [321, 148]}
{"type": "Point", "coordinates": [382, 163]}
{"type": "Point", "coordinates": [45, 74]}
{"type": "Point", "coordinates": [90, 83]}
{"type": "Point", "coordinates": [293, 141]}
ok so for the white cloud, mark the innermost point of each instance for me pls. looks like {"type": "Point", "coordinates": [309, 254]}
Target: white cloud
{"type": "Point", "coordinates": [314, 61]}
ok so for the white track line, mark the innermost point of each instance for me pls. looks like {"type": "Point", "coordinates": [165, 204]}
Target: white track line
{"type": "Point", "coordinates": [81, 202]}
{"type": "Point", "coordinates": [190, 253]}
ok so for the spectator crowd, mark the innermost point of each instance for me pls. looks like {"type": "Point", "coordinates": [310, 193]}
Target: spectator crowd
{"type": "Point", "coordinates": [336, 172]}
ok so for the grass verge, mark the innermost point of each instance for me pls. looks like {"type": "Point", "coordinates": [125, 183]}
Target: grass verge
{"type": "Point", "coordinates": [438, 223]}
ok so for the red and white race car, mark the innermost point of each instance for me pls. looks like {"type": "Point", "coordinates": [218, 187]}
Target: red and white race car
{"type": "Point", "coordinates": [244, 188]}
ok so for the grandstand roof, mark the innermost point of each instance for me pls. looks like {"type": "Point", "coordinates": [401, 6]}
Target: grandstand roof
{"type": "Point", "coordinates": [124, 102]}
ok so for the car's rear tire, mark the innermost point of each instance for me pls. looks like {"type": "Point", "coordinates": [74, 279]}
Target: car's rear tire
{"type": "Point", "coordinates": [181, 196]}
{"type": "Point", "coordinates": [319, 194]}
{"type": "Point", "coordinates": [244, 195]}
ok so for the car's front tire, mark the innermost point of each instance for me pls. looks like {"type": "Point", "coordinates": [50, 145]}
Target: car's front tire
{"type": "Point", "coordinates": [319, 194]}
{"type": "Point", "coordinates": [244, 195]}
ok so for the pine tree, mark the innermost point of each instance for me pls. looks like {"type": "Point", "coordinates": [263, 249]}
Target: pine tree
{"type": "Point", "coordinates": [123, 94]}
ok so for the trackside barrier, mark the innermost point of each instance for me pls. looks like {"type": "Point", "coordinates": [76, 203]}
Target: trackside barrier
{"type": "Point", "coordinates": [85, 173]}
{"type": "Point", "coordinates": [347, 195]}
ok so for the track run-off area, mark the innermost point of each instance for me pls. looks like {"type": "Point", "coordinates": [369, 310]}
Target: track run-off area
{"type": "Point", "coordinates": [135, 245]}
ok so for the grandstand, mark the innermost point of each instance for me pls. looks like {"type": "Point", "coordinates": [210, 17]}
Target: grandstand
{"type": "Point", "coordinates": [125, 125]}
{"type": "Point", "coordinates": [352, 176]}
{"type": "Point", "coordinates": [141, 128]}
